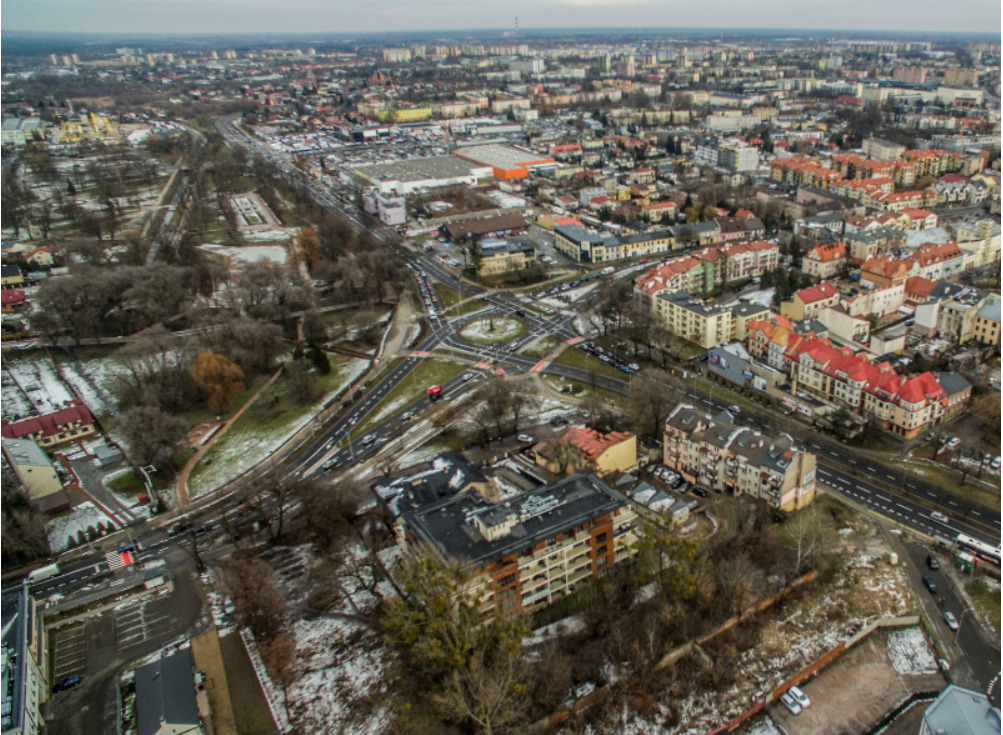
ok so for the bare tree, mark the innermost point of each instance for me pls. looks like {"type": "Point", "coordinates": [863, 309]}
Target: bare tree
{"type": "Point", "coordinates": [256, 598]}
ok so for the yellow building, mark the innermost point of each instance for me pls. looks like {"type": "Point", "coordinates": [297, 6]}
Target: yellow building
{"type": "Point", "coordinates": [506, 256]}
{"type": "Point", "coordinates": [32, 467]}
{"type": "Point", "coordinates": [706, 325]}
{"type": "Point", "coordinates": [11, 277]}
{"type": "Point", "coordinates": [809, 302]}
{"type": "Point", "coordinates": [987, 322]}
{"type": "Point", "coordinates": [588, 450]}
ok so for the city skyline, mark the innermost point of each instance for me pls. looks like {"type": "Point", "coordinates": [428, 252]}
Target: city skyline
{"type": "Point", "coordinates": [299, 16]}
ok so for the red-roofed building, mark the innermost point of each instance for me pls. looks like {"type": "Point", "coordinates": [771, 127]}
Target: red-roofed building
{"type": "Point", "coordinates": [904, 405]}
{"type": "Point", "coordinates": [12, 299]}
{"type": "Point", "coordinates": [808, 302]}
{"type": "Point", "coordinates": [586, 449]}
{"type": "Point", "coordinates": [921, 219]}
{"type": "Point", "coordinates": [917, 289]}
{"type": "Point", "coordinates": [69, 424]}
{"type": "Point", "coordinates": [825, 261]}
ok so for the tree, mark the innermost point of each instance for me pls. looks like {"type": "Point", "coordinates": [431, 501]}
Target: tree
{"type": "Point", "coordinates": [671, 559]}
{"type": "Point", "coordinates": [278, 653]}
{"type": "Point", "coordinates": [804, 534]}
{"type": "Point", "coordinates": [987, 409]}
{"type": "Point", "coordinates": [220, 378]}
{"type": "Point", "coordinates": [151, 433]}
{"type": "Point", "coordinates": [23, 525]}
{"type": "Point", "coordinates": [319, 358]}
{"type": "Point", "coordinates": [470, 668]}
{"type": "Point", "coordinates": [256, 598]}
{"type": "Point", "coordinates": [650, 402]}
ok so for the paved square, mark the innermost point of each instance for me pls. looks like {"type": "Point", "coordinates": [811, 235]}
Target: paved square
{"type": "Point", "coordinates": [138, 623]}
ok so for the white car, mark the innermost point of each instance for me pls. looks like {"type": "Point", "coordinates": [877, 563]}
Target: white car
{"type": "Point", "coordinates": [952, 622]}
{"type": "Point", "coordinates": [526, 438]}
{"type": "Point", "coordinates": [800, 697]}
{"type": "Point", "coordinates": [938, 516]}
{"type": "Point", "coordinates": [228, 606]}
{"type": "Point", "coordinates": [953, 442]}
{"type": "Point", "coordinates": [790, 703]}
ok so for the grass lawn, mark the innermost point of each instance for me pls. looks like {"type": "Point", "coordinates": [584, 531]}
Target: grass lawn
{"type": "Point", "coordinates": [128, 483]}
{"type": "Point", "coordinates": [985, 594]}
{"type": "Point", "coordinates": [542, 347]}
{"type": "Point", "coordinates": [275, 417]}
{"type": "Point", "coordinates": [583, 361]}
{"type": "Point", "coordinates": [450, 297]}
{"type": "Point", "coordinates": [566, 386]}
{"type": "Point", "coordinates": [202, 413]}
{"type": "Point", "coordinates": [409, 390]}
{"type": "Point", "coordinates": [493, 331]}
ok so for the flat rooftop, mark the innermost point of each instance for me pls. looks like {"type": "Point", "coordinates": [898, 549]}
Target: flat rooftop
{"type": "Point", "coordinates": [416, 169]}
{"type": "Point", "coordinates": [453, 527]}
{"type": "Point", "coordinates": [502, 156]}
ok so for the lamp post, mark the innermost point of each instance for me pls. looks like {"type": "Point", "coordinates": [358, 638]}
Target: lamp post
{"type": "Point", "coordinates": [958, 631]}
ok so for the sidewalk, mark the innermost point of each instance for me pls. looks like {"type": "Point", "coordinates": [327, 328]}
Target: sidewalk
{"type": "Point", "coordinates": [209, 660]}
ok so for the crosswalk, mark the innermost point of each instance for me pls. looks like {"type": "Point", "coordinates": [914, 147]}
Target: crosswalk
{"type": "Point", "coordinates": [118, 560]}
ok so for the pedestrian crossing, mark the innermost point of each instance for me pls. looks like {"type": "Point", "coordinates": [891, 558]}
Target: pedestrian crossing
{"type": "Point", "coordinates": [118, 560]}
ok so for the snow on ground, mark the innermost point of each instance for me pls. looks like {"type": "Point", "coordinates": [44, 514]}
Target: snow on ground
{"type": "Point", "coordinates": [763, 726]}
{"type": "Point", "coordinates": [568, 297]}
{"type": "Point", "coordinates": [33, 387]}
{"type": "Point", "coordinates": [268, 235]}
{"type": "Point", "coordinates": [93, 380]}
{"type": "Point", "coordinates": [341, 681]}
{"type": "Point", "coordinates": [252, 253]}
{"type": "Point", "coordinates": [244, 445]}
{"type": "Point", "coordinates": [60, 529]}
{"type": "Point", "coordinates": [500, 329]}
{"type": "Point", "coordinates": [909, 651]}
{"type": "Point", "coordinates": [422, 454]}
{"type": "Point", "coordinates": [567, 626]}
{"type": "Point", "coordinates": [762, 297]}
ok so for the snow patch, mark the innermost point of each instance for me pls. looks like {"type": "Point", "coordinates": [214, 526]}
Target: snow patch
{"type": "Point", "coordinates": [909, 651]}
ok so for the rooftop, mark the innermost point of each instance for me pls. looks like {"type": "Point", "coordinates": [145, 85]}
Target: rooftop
{"type": "Point", "coordinates": [469, 530]}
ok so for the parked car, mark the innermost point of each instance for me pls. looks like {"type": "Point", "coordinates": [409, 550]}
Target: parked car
{"type": "Point", "coordinates": [800, 697]}
{"type": "Point", "coordinates": [995, 464]}
{"type": "Point", "coordinates": [228, 607]}
{"type": "Point", "coordinates": [953, 442]}
{"type": "Point", "coordinates": [699, 492]}
{"type": "Point", "coordinates": [938, 516]}
{"type": "Point", "coordinates": [68, 683]}
{"type": "Point", "coordinates": [952, 622]}
{"type": "Point", "coordinates": [329, 464]}
{"type": "Point", "coordinates": [932, 562]}
{"type": "Point", "coordinates": [526, 438]}
{"type": "Point", "coordinates": [790, 703]}
{"type": "Point", "coordinates": [735, 409]}
{"type": "Point", "coordinates": [930, 585]}
{"type": "Point", "coordinates": [558, 421]}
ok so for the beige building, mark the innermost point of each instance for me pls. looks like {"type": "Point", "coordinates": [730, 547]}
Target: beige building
{"type": "Point", "coordinates": [825, 261]}
{"type": "Point", "coordinates": [34, 470]}
{"type": "Point", "coordinates": [809, 302]}
{"type": "Point", "coordinates": [717, 454]}
{"type": "Point", "coordinates": [585, 449]}
{"type": "Point", "coordinates": [529, 551]}
{"type": "Point", "coordinates": [706, 325]}
{"type": "Point", "coordinates": [506, 256]}
{"type": "Point", "coordinates": [986, 328]}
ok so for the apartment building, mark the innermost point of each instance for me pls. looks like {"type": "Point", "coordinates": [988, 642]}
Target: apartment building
{"type": "Point", "coordinates": [882, 150]}
{"type": "Point", "coordinates": [872, 243]}
{"type": "Point", "coordinates": [706, 325]}
{"type": "Point", "coordinates": [905, 406]}
{"type": "Point", "coordinates": [531, 550]}
{"type": "Point", "coordinates": [701, 270]}
{"type": "Point", "coordinates": [986, 327]}
{"type": "Point", "coordinates": [718, 454]}
{"type": "Point", "coordinates": [588, 450]}
{"type": "Point", "coordinates": [825, 261]}
{"type": "Point", "coordinates": [809, 302]}
{"type": "Point", "coordinates": [25, 650]}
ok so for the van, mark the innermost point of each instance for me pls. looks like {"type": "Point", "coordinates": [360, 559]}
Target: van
{"type": "Point", "coordinates": [938, 516]}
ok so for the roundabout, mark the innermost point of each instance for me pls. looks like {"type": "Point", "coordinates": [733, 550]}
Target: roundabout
{"type": "Point", "coordinates": [492, 330]}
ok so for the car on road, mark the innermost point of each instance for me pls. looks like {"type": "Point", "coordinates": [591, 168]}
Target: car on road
{"type": "Point", "coordinates": [467, 377]}
{"type": "Point", "coordinates": [558, 421]}
{"type": "Point", "coordinates": [952, 622]}
{"type": "Point", "coordinates": [800, 697]}
{"type": "Point", "coordinates": [329, 464]}
{"type": "Point", "coordinates": [202, 529]}
{"type": "Point", "coordinates": [127, 547]}
{"type": "Point", "coordinates": [790, 703]}
{"type": "Point", "coordinates": [932, 562]}
{"type": "Point", "coordinates": [526, 438]}
{"type": "Point", "coordinates": [930, 585]}
{"type": "Point", "coordinates": [995, 464]}
{"type": "Point", "coordinates": [699, 492]}
{"type": "Point", "coordinates": [938, 516]}
{"type": "Point", "coordinates": [68, 683]}
{"type": "Point", "coordinates": [368, 439]}
{"type": "Point", "coordinates": [407, 416]}
{"type": "Point", "coordinates": [734, 409]}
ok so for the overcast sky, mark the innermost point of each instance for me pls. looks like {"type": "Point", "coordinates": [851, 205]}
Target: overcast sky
{"type": "Point", "coordinates": [305, 16]}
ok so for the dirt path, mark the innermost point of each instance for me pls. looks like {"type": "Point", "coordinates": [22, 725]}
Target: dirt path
{"type": "Point", "coordinates": [209, 660]}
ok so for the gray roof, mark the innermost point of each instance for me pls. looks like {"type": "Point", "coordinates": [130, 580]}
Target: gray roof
{"type": "Point", "coordinates": [960, 711]}
{"type": "Point", "coordinates": [25, 452]}
{"type": "Point", "coordinates": [511, 245]}
{"type": "Point", "coordinates": [722, 431]}
{"type": "Point", "coordinates": [453, 527]}
{"type": "Point", "coordinates": [446, 475]}
{"type": "Point", "coordinates": [952, 383]}
{"type": "Point", "coordinates": [581, 235]}
{"type": "Point", "coordinates": [165, 693]}
{"type": "Point", "coordinates": [417, 169]}
{"type": "Point", "coordinates": [991, 309]}
{"type": "Point", "coordinates": [692, 303]}
{"type": "Point", "coordinates": [17, 633]}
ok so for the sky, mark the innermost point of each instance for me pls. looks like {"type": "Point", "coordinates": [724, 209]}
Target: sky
{"type": "Point", "coordinates": [305, 16]}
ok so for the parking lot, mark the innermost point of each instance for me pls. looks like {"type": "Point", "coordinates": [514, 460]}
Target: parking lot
{"type": "Point", "coordinates": [138, 623]}
{"type": "Point", "coordinates": [69, 654]}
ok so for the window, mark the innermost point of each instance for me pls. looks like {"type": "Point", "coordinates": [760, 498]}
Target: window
{"type": "Point", "coordinates": [601, 538]}
{"type": "Point", "coordinates": [601, 551]}
{"type": "Point", "coordinates": [506, 580]}
{"type": "Point", "coordinates": [602, 561]}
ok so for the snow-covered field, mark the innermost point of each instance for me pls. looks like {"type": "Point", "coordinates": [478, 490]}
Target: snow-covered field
{"type": "Point", "coordinates": [909, 652]}
{"type": "Point", "coordinates": [85, 515]}
{"type": "Point", "coordinates": [99, 397]}
{"type": "Point", "coordinates": [33, 387]}
{"type": "Point", "coordinates": [763, 726]}
{"type": "Point", "coordinates": [492, 330]}
{"type": "Point", "coordinates": [253, 253]}
{"type": "Point", "coordinates": [244, 445]}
